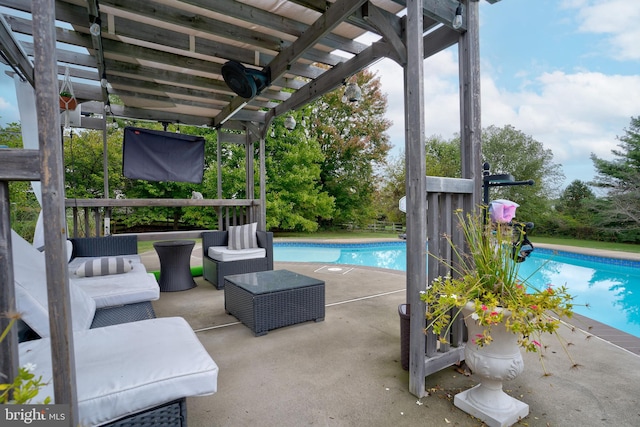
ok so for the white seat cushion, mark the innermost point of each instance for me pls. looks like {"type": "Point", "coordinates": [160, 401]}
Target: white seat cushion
{"type": "Point", "coordinates": [127, 368]}
{"type": "Point", "coordinates": [133, 287]}
{"type": "Point", "coordinates": [112, 290]}
{"type": "Point", "coordinates": [222, 253]}
{"type": "Point", "coordinates": [30, 280]}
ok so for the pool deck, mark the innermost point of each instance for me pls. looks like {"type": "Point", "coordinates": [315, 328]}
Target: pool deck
{"type": "Point", "coordinates": [345, 370]}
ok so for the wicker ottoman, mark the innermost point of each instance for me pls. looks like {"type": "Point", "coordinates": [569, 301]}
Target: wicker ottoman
{"type": "Point", "coordinates": [268, 300]}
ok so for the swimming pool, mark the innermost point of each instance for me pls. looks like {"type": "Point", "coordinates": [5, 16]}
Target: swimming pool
{"type": "Point", "coordinates": [611, 287]}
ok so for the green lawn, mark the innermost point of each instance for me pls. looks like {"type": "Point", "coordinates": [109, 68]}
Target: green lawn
{"type": "Point", "coordinates": [622, 247]}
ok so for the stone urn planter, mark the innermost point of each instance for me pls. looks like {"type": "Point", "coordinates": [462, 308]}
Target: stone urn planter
{"type": "Point", "coordinates": [493, 363]}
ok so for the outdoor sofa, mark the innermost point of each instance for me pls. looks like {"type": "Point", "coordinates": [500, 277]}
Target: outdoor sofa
{"type": "Point", "coordinates": [127, 374]}
{"type": "Point", "coordinates": [221, 258]}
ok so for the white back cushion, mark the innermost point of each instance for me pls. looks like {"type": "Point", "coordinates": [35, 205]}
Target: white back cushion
{"type": "Point", "coordinates": [30, 279]}
{"type": "Point", "coordinates": [127, 368]}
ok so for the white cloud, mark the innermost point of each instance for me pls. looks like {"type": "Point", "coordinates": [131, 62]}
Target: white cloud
{"type": "Point", "coordinates": [573, 114]}
{"type": "Point", "coordinates": [617, 19]}
{"type": "Point", "coordinates": [4, 104]}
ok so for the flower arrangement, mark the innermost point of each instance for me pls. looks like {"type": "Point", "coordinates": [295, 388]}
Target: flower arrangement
{"type": "Point", "coordinates": [486, 281]}
{"type": "Point", "coordinates": [25, 385]}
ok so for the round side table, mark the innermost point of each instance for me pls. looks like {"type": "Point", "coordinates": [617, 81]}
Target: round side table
{"type": "Point", "coordinates": [175, 267]}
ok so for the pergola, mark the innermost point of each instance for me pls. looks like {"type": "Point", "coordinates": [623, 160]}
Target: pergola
{"type": "Point", "coordinates": [165, 60]}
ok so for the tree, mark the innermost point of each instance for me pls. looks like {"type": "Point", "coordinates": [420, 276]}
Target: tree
{"type": "Point", "coordinates": [24, 206]}
{"type": "Point", "coordinates": [621, 178]}
{"type": "Point", "coordinates": [575, 198]}
{"type": "Point", "coordinates": [295, 198]}
{"type": "Point", "coordinates": [354, 144]}
{"type": "Point", "coordinates": [392, 189]}
{"type": "Point", "coordinates": [508, 150]}
{"type": "Point", "coordinates": [443, 157]}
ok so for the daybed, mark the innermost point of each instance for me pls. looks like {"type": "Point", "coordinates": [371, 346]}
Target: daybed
{"type": "Point", "coordinates": [140, 371]}
{"type": "Point", "coordinates": [220, 259]}
{"type": "Point", "coordinates": [114, 298]}
{"type": "Point", "coordinates": [137, 373]}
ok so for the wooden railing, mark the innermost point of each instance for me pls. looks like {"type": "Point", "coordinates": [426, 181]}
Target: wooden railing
{"type": "Point", "coordinates": [444, 197]}
{"type": "Point", "coordinates": [88, 215]}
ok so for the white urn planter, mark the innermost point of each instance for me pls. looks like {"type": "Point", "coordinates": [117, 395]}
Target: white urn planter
{"type": "Point", "coordinates": [493, 363]}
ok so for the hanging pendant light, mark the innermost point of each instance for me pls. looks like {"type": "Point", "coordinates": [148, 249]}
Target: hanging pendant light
{"type": "Point", "coordinates": [352, 93]}
{"type": "Point", "coordinates": [290, 123]}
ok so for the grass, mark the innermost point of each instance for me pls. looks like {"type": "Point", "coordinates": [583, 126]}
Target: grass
{"type": "Point", "coordinates": [611, 246]}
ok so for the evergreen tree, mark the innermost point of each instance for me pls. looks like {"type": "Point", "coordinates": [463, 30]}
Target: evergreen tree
{"type": "Point", "coordinates": [621, 178]}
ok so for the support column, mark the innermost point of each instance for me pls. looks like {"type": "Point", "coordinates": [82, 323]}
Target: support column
{"type": "Point", "coordinates": [55, 229]}
{"type": "Point", "coordinates": [416, 193]}
{"type": "Point", "coordinates": [470, 124]}
{"type": "Point", "coordinates": [8, 346]}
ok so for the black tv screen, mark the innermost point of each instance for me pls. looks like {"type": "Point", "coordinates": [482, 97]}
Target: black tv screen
{"type": "Point", "coordinates": [155, 155]}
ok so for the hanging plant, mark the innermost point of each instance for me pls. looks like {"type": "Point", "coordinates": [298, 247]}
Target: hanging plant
{"type": "Point", "coordinates": [67, 100]}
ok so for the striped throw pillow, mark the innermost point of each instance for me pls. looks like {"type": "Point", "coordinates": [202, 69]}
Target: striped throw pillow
{"type": "Point", "coordinates": [104, 266]}
{"type": "Point", "coordinates": [243, 236]}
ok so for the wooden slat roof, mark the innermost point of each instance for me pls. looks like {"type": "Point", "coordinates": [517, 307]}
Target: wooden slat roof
{"type": "Point", "coordinates": [163, 58]}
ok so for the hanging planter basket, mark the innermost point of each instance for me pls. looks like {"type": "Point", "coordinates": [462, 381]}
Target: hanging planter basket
{"type": "Point", "coordinates": [68, 102]}
{"type": "Point", "coordinates": [68, 99]}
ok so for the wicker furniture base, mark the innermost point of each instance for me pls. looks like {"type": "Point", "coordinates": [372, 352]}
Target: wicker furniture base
{"type": "Point", "coordinates": [268, 300]}
{"type": "Point", "coordinates": [175, 270]}
{"type": "Point", "coordinates": [172, 414]}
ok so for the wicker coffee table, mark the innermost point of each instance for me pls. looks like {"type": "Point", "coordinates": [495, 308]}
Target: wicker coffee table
{"type": "Point", "coordinates": [268, 300]}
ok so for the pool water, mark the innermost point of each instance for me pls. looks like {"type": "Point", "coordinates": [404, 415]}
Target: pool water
{"type": "Point", "coordinates": [605, 289]}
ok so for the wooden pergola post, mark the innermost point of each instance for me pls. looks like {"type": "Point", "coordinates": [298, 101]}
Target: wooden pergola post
{"type": "Point", "coordinates": [55, 230]}
{"type": "Point", "coordinates": [416, 192]}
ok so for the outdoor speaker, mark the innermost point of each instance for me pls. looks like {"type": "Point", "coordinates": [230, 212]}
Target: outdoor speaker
{"type": "Point", "coordinates": [244, 81]}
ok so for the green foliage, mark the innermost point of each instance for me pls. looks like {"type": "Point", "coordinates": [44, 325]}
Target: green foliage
{"type": "Point", "coordinates": [295, 200]}
{"type": "Point", "coordinates": [391, 191]}
{"type": "Point", "coordinates": [621, 178]}
{"type": "Point", "coordinates": [443, 157]}
{"type": "Point", "coordinates": [354, 144]}
{"type": "Point", "coordinates": [508, 150]}
{"type": "Point", "coordinates": [486, 282]}
{"type": "Point", "coordinates": [24, 207]}
{"type": "Point", "coordinates": [25, 385]}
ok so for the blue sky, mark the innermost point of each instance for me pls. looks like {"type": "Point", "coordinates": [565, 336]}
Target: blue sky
{"type": "Point", "coordinates": [565, 72]}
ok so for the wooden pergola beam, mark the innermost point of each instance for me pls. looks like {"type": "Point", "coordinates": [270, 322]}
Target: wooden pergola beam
{"type": "Point", "coordinates": [334, 15]}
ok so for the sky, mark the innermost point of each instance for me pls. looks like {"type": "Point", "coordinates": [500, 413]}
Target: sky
{"type": "Point", "coordinates": [564, 72]}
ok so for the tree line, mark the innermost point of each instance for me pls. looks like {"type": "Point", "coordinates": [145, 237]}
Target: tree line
{"type": "Point", "coordinates": [333, 169]}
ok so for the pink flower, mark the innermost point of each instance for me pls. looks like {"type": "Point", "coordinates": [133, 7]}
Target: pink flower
{"type": "Point", "coordinates": [534, 307]}
{"type": "Point", "coordinates": [537, 343]}
{"type": "Point", "coordinates": [484, 307]}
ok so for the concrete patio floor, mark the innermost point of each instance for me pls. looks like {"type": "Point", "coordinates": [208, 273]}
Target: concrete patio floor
{"type": "Point", "coordinates": [346, 371]}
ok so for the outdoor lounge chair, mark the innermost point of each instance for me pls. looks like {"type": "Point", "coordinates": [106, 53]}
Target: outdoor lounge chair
{"type": "Point", "coordinates": [234, 261]}
{"type": "Point", "coordinates": [96, 301]}
{"type": "Point", "coordinates": [133, 374]}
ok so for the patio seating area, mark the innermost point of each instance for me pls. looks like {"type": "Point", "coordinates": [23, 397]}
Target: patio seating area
{"type": "Point", "coordinates": [346, 370]}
